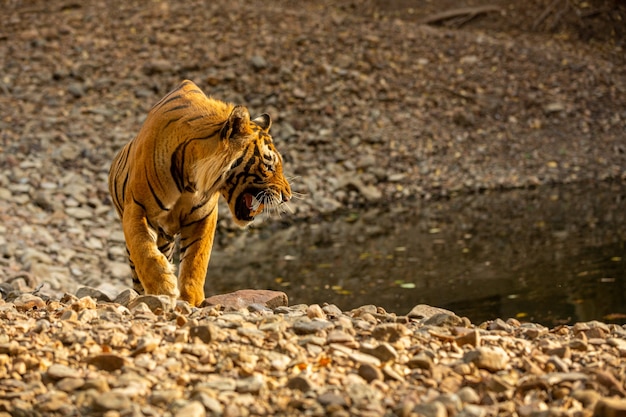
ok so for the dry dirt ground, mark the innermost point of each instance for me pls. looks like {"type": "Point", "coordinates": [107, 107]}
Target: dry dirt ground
{"type": "Point", "coordinates": [372, 101]}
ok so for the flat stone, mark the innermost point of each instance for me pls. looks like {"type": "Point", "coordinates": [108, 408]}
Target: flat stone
{"type": "Point", "coordinates": [164, 396]}
{"type": "Point", "coordinates": [307, 326]}
{"type": "Point", "coordinates": [52, 401]}
{"type": "Point", "coordinates": [70, 384]}
{"type": "Point", "coordinates": [424, 311]}
{"type": "Point", "coordinates": [220, 383]}
{"type": "Point", "coordinates": [156, 303]}
{"type": "Point", "coordinates": [58, 371]}
{"type": "Point", "coordinates": [468, 395]}
{"type": "Point", "coordinates": [25, 302]}
{"type": "Point", "coordinates": [332, 310]}
{"type": "Point", "coordinates": [444, 320]}
{"type": "Point", "coordinates": [94, 293]}
{"type": "Point", "coordinates": [370, 372]}
{"type": "Point", "coordinates": [471, 410]}
{"type": "Point", "coordinates": [364, 358]}
{"type": "Point", "coordinates": [191, 409]}
{"type": "Point", "coordinates": [471, 337]}
{"type": "Point", "coordinates": [243, 298]}
{"type": "Point", "coordinates": [329, 399]}
{"type": "Point", "coordinates": [434, 409]}
{"type": "Point", "coordinates": [339, 336]}
{"type": "Point", "coordinates": [252, 384]}
{"type": "Point", "coordinates": [125, 297]}
{"type": "Point", "coordinates": [384, 351]}
{"type": "Point", "coordinates": [205, 332]}
{"type": "Point", "coordinates": [112, 401]}
{"type": "Point", "coordinates": [389, 332]}
{"type": "Point", "coordinates": [146, 345]}
{"type": "Point", "coordinates": [315, 311]}
{"type": "Point", "coordinates": [107, 362]}
{"type": "Point", "coordinates": [300, 383]}
{"type": "Point", "coordinates": [489, 358]}
{"type": "Point", "coordinates": [421, 361]}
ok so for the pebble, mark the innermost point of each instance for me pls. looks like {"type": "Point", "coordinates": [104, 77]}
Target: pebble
{"type": "Point", "coordinates": [191, 409]}
{"type": "Point", "coordinates": [112, 401]}
{"type": "Point", "coordinates": [300, 382]}
{"type": "Point", "coordinates": [25, 302]}
{"type": "Point", "coordinates": [310, 363]}
{"type": "Point", "coordinates": [489, 358]}
{"type": "Point", "coordinates": [58, 371]}
{"type": "Point", "coordinates": [308, 326]}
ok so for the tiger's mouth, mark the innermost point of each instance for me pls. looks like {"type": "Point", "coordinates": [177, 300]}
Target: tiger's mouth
{"type": "Point", "coordinates": [247, 205]}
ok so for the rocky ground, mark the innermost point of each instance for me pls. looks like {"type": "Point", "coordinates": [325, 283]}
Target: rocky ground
{"type": "Point", "coordinates": [372, 102]}
{"type": "Point", "coordinates": [142, 356]}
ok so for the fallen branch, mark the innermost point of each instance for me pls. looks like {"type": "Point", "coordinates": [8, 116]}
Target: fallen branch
{"type": "Point", "coordinates": [545, 14]}
{"type": "Point", "coordinates": [467, 12]}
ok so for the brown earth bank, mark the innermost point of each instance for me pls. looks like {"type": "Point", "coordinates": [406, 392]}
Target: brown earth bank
{"type": "Point", "coordinates": [372, 102]}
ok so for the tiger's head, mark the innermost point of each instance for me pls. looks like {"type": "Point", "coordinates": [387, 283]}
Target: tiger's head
{"type": "Point", "coordinates": [255, 182]}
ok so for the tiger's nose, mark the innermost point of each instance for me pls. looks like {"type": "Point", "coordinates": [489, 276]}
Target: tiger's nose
{"type": "Point", "coordinates": [285, 198]}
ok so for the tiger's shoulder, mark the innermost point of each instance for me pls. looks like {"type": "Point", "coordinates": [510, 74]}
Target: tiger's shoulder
{"type": "Point", "coordinates": [187, 104]}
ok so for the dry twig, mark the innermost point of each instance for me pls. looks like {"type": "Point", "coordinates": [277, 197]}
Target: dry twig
{"type": "Point", "coordinates": [463, 14]}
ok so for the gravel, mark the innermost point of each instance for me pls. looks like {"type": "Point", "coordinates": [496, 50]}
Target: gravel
{"type": "Point", "coordinates": [80, 356]}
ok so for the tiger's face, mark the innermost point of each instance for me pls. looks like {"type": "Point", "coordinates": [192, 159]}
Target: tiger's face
{"type": "Point", "coordinates": [255, 181]}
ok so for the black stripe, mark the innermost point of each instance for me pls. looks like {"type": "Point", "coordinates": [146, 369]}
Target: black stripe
{"type": "Point", "coordinates": [193, 119]}
{"type": "Point", "coordinates": [182, 106]}
{"type": "Point", "coordinates": [196, 92]}
{"type": "Point", "coordinates": [183, 249]}
{"type": "Point", "coordinates": [119, 167]}
{"type": "Point", "coordinates": [168, 97]}
{"type": "Point", "coordinates": [120, 203]}
{"type": "Point", "coordinates": [177, 164]}
{"type": "Point", "coordinates": [237, 162]}
{"type": "Point", "coordinates": [167, 246]}
{"type": "Point", "coordinates": [167, 100]}
{"type": "Point", "coordinates": [156, 198]}
{"type": "Point", "coordinates": [200, 220]}
{"type": "Point", "coordinates": [172, 121]}
{"type": "Point", "coordinates": [165, 236]}
{"type": "Point", "coordinates": [139, 204]}
{"type": "Point", "coordinates": [200, 205]}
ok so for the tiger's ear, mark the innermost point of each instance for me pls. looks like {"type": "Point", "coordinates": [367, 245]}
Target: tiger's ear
{"type": "Point", "coordinates": [264, 121]}
{"type": "Point", "coordinates": [237, 124]}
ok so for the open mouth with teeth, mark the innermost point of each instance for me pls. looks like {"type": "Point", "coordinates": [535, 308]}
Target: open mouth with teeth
{"type": "Point", "coordinates": [247, 205]}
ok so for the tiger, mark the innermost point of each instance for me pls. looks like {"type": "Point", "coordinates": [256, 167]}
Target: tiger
{"type": "Point", "coordinates": [165, 185]}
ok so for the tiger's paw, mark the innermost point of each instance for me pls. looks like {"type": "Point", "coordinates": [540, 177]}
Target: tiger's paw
{"type": "Point", "coordinates": [166, 285]}
{"type": "Point", "coordinates": [194, 297]}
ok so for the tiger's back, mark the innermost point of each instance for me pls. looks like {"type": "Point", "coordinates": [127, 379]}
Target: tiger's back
{"type": "Point", "coordinates": [166, 182]}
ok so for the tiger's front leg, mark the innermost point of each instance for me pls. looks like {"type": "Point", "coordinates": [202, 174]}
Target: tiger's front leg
{"type": "Point", "coordinates": [150, 266]}
{"type": "Point", "coordinates": [196, 242]}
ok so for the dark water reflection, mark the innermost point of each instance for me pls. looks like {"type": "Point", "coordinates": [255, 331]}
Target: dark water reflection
{"type": "Point", "coordinates": [549, 255]}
